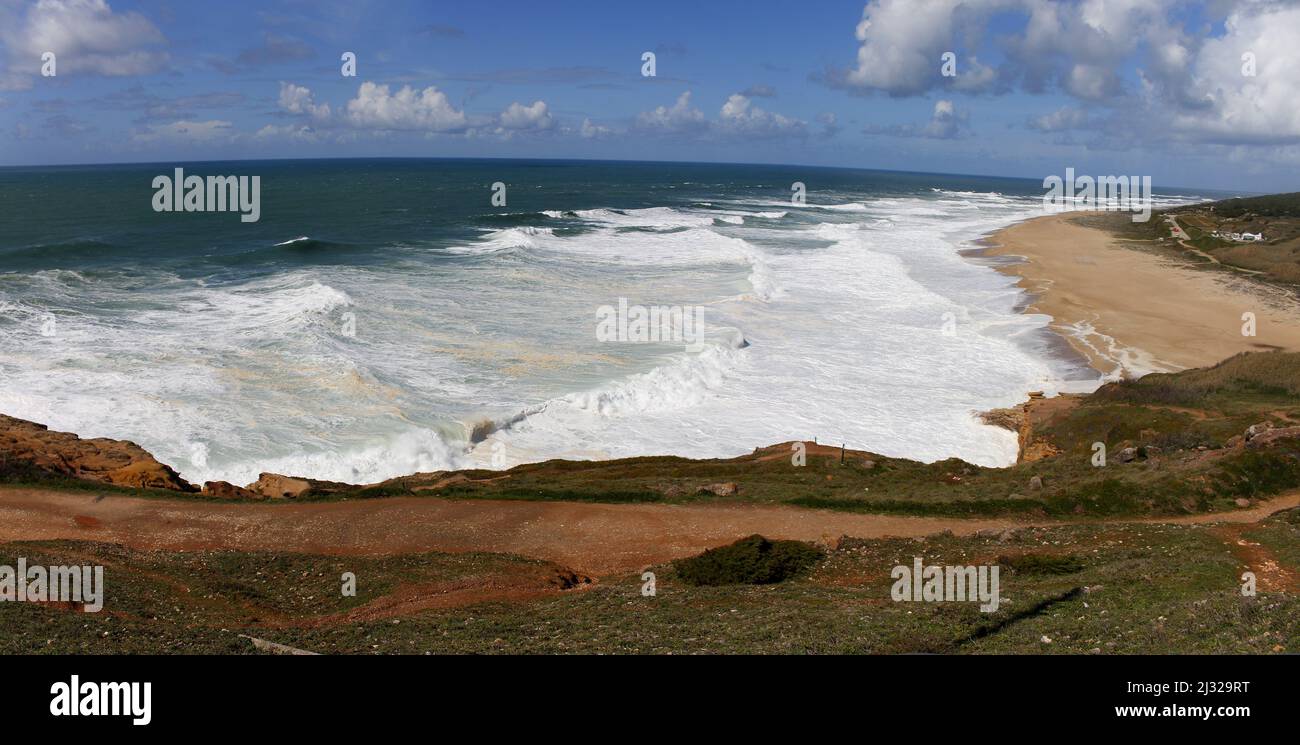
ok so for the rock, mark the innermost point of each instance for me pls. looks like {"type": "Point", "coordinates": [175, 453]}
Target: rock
{"type": "Point", "coordinates": [828, 544]}
{"type": "Point", "coordinates": [728, 489]}
{"type": "Point", "coordinates": [227, 490]}
{"type": "Point", "coordinates": [1127, 455]}
{"type": "Point", "coordinates": [1242, 502]}
{"type": "Point", "coordinates": [567, 579]}
{"type": "Point", "coordinates": [1007, 536]}
{"type": "Point", "coordinates": [1036, 483]}
{"type": "Point", "coordinates": [1255, 430]}
{"type": "Point", "coordinates": [1152, 450]}
{"type": "Point", "coordinates": [1270, 437]}
{"type": "Point", "coordinates": [27, 445]}
{"type": "Point", "coordinates": [673, 491]}
{"type": "Point", "coordinates": [868, 464]}
{"type": "Point", "coordinates": [1236, 441]}
{"type": "Point", "coordinates": [275, 486]}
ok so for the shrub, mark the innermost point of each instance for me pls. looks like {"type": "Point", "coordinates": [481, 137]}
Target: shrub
{"type": "Point", "coordinates": [750, 561]}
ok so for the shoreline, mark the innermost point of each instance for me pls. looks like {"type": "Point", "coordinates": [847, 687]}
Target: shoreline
{"type": "Point", "coordinates": [1129, 312]}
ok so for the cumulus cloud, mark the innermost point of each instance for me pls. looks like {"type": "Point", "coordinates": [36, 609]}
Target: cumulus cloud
{"type": "Point", "coordinates": [375, 107]}
{"type": "Point", "coordinates": [1091, 50]}
{"type": "Point", "coordinates": [680, 117]}
{"type": "Point", "coordinates": [739, 115]}
{"type": "Point", "coordinates": [297, 99]}
{"type": "Point", "coordinates": [592, 131]}
{"type": "Point", "coordinates": [287, 132]}
{"type": "Point", "coordinates": [87, 36]}
{"type": "Point", "coordinates": [946, 123]}
{"type": "Point", "coordinates": [520, 117]}
{"type": "Point", "coordinates": [1221, 102]}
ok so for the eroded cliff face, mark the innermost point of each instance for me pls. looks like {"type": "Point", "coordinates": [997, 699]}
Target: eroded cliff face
{"type": "Point", "coordinates": [27, 446]}
{"type": "Point", "coordinates": [1024, 418]}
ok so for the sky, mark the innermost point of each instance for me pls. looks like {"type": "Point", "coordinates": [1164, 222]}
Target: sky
{"type": "Point", "coordinates": [1194, 94]}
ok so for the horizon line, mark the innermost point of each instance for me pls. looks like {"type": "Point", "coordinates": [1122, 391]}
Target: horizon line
{"type": "Point", "coordinates": [588, 160]}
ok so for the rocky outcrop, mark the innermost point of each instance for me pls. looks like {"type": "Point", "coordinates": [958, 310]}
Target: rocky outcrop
{"type": "Point", "coordinates": [728, 489]}
{"type": "Point", "coordinates": [1269, 437]}
{"type": "Point", "coordinates": [1026, 418]}
{"type": "Point", "coordinates": [27, 446]}
{"type": "Point", "coordinates": [276, 486]}
{"type": "Point", "coordinates": [227, 490]}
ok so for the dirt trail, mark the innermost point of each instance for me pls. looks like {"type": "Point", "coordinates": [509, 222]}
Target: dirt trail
{"type": "Point", "coordinates": [591, 538]}
{"type": "Point", "coordinates": [1270, 573]}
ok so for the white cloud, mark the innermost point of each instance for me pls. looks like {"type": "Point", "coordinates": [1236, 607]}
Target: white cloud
{"type": "Point", "coordinates": [739, 115]}
{"type": "Point", "coordinates": [947, 122]}
{"type": "Point", "coordinates": [1190, 82]}
{"type": "Point", "coordinates": [1229, 106]}
{"type": "Point", "coordinates": [520, 117]}
{"type": "Point", "coordinates": [590, 131]}
{"type": "Point", "coordinates": [297, 99]}
{"type": "Point", "coordinates": [902, 42]}
{"type": "Point", "coordinates": [679, 117]}
{"type": "Point", "coordinates": [86, 36]}
{"type": "Point", "coordinates": [429, 110]}
{"type": "Point", "coordinates": [289, 132]}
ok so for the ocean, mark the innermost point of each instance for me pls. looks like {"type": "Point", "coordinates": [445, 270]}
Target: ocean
{"type": "Point", "coordinates": [384, 317]}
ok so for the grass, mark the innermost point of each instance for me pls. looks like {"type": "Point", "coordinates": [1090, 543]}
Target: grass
{"type": "Point", "coordinates": [1110, 589]}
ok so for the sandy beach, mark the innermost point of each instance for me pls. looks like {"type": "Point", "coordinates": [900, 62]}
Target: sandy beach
{"type": "Point", "coordinates": [1132, 311]}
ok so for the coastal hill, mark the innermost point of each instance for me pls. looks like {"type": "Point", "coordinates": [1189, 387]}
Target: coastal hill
{"type": "Point", "coordinates": [1145, 554]}
{"type": "Point", "coordinates": [1257, 235]}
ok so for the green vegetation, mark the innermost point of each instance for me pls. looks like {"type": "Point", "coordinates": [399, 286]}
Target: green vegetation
{"type": "Point", "coordinates": [1108, 588]}
{"type": "Point", "coordinates": [1269, 205]}
{"type": "Point", "coordinates": [1275, 216]}
{"type": "Point", "coordinates": [749, 561]}
{"type": "Point", "coordinates": [1041, 563]}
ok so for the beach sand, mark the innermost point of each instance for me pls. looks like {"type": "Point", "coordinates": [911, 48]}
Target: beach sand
{"type": "Point", "coordinates": [1131, 311]}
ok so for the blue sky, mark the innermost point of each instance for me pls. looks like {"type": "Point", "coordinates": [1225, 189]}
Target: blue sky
{"type": "Point", "coordinates": [1137, 87]}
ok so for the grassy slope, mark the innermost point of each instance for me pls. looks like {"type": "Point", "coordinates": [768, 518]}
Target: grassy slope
{"type": "Point", "coordinates": [1140, 589]}
{"type": "Point", "coordinates": [1275, 260]}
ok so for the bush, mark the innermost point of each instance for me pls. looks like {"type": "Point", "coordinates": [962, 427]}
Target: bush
{"type": "Point", "coordinates": [750, 561]}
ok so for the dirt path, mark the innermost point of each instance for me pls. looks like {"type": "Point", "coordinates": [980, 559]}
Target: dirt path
{"type": "Point", "coordinates": [591, 538]}
{"type": "Point", "coordinates": [1271, 574]}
